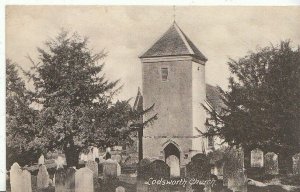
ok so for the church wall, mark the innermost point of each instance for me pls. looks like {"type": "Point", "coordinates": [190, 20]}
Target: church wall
{"type": "Point", "coordinates": [173, 103]}
{"type": "Point", "coordinates": [199, 114]}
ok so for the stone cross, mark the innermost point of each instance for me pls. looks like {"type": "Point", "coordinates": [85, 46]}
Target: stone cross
{"type": "Point", "coordinates": [16, 178]}
{"type": "Point", "coordinates": [42, 177]}
{"type": "Point", "coordinates": [84, 180]}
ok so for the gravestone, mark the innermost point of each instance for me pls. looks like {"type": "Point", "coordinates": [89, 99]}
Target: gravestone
{"type": "Point", "coordinates": [199, 167]}
{"type": "Point", "coordinates": [42, 177]}
{"type": "Point", "coordinates": [120, 189]}
{"type": "Point", "coordinates": [110, 169]}
{"type": "Point", "coordinates": [16, 178]}
{"type": "Point", "coordinates": [82, 157]}
{"type": "Point", "coordinates": [118, 169]}
{"type": "Point", "coordinates": [41, 160]}
{"type": "Point", "coordinates": [26, 181]}
{"type": "Point", "coordinates": [235, 177]}
{"type": "Point", "coordinates": [84, 180]}
{"type": "Point", "coordinates": [117, 158]}
{"type": "Point", "coordinates": [296, 164]}
{"type": "Point", "coordinates": [60, 179]}
{"type": "Point", "coordinates": [156, 169]}
{"type": "Point", "coordinates": [70, 179]}
{"type": "Point", "coordinates": [174, 164]}
{"type": "Point", "coordinates": [95, 153]}
{"type": "Point", "coordinates": [257, 158]}
{"type": "Point", "coordinates": [271, 163]}
{"type": "Point", "coordinates": [93, 166]}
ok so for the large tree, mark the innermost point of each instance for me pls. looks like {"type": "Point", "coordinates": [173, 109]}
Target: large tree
{"type": "Point", "coordinates": [76, 99]}
{"type": "Point", "coordinates": [262, 104]}
{"type": "Point", "coordinates": [19, 119]}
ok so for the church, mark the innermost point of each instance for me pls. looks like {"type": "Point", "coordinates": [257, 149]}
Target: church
{"type": "Point", "coordinates": [173, 79]}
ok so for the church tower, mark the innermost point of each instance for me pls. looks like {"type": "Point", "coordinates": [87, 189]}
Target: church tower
{"type": "Point", "coordinates": [174, 80]}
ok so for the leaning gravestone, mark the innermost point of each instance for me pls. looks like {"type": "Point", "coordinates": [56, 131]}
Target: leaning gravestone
{"type": "Point", "coordinates": [16, 178]}
{"type": "Point", "coordinates": [84, 180]}
{"type": "Point", "coordinates": [296, 164]}
{"type": "Point", "coordinates": [234, 168]}
{"type": "Point", "coordinates": [42, 177]}
{"type": "Point", "coordinates": [60, 178]}
{"type": "Point", "coordinates": [110, 169]}
{"type": "Point", "coordinates": [271, 163]}
{"type": "Point", "coordinates": [93, 166]}
{"type": "Point", "coordinates": [120, 189]}
{"type": "Point", "coordinates": [257, 158]}
{"type": "Point", "coordinates": [26, 181]}
{"type": "Point", "coordinates": [70, 179]}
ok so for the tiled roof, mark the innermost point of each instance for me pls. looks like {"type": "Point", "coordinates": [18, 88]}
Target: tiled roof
{"type": "Point", "coordinates": [213, 97]}
{"type": "Point", "coordinates": [174, 43]}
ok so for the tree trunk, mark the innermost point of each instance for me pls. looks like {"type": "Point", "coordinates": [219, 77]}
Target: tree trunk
{"type": "Point", "coordinates": [72, 154]}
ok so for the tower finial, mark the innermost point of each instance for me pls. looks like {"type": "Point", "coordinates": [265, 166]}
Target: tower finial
{"type": "Point", "coordinates": [174, 13]}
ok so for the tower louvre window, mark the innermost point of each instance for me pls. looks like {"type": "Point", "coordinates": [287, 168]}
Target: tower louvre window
{"type": "Point", "coordinates": [164, 73]}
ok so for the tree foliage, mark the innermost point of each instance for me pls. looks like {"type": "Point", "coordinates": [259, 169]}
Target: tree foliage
{"type": "Point", "coordinates": [19, 119]}
{"type": "Point", "coordinates": [262, 105]}
{"type": "Point", "coordinates": [75, 101]}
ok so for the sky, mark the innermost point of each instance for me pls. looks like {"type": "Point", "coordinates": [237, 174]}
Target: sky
{"type": "Point", "coordinates": [126, 32]}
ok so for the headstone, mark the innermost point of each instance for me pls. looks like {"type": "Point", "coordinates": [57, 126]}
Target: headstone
{"type": "Point", "coordinates": [117, 158]}
{"type": "Point", "coordinates": [26, 181]}
{"type": "Point", "coordinates": [82, 158]}
{"type": "Point", "coordinates": [93, 166]}
{"type": "Point", "coordinates": [296, 164]}
{"type": "Point", "coordinates": [16, 178]}
{"type": "Point", "coordinates": [155, 169]}
{"type": "Point", "coordinates": [84, 180]}
{"type": "Point", "coordinates": [41, 160]}
{"type": "Point", "coordinates": [42, 177]}
{"type": "Point", "coordinates": [120, 189]}
{"type": "Point", "coordinates": [147, 169]}
{"type": "Point", "coordinates": [234, 170]}
{"type": "Point", "coordinates": [118, 169]}
{"type": "Point", "coordinates": [257, 158]}
{"type": "Point", "coordinates": [95, 153]}
{"type": "Point", "coordinates": [59, 180]}
{"type": "Point", "coordinates": [173, 162]}
{"type": "Point", "coordinates": [271, 163]}
{"type": "Point", "coordinates": [70, 179]}
{"type": "Point", "coordinates": [199, 167]}
{"type": "Point", "coordinates": [110, 168]}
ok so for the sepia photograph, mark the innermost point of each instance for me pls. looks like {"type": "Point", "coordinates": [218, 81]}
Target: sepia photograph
{"type": "Point", "coordinates": [167, 98]}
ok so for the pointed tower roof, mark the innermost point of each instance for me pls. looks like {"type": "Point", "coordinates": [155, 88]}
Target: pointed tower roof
{"type": "Point", "coordinates": [174, 43]}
